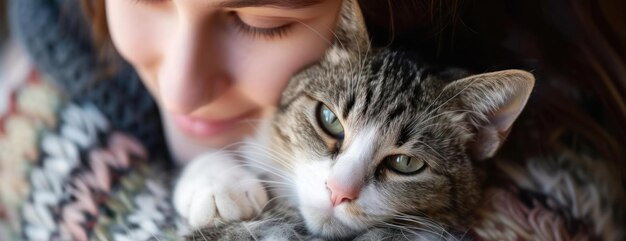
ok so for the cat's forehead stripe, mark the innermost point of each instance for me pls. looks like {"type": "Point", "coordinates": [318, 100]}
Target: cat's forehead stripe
{"type": "Point", "coordinates": [349, 105]}
{"type": "Point", "coordinates": [386, 87]}
{"type": "Point", "coordinates": [395, 112]}
{"type": "Point", "coordinates": [403, 135]}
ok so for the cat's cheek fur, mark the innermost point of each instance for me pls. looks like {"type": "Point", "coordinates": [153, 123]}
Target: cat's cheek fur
{"type": "Point", "coordinates": [311, 190]}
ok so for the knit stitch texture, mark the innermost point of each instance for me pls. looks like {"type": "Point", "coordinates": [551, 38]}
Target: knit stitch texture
{"type": "Point", "coordinates": [59, 43]}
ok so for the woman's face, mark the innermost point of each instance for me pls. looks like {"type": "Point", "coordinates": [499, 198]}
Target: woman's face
{"type": "Point", "coordinates": [216, 66]}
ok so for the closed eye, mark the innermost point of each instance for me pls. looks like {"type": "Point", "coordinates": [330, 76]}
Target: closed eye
{"type": "Point", "coordinates": [150, 1]}
{"type": "Point", "coordinates": [278, 31]}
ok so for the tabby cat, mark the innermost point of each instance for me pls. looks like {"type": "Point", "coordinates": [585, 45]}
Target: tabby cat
{"type": "Point", "coordinates": [367, 144]}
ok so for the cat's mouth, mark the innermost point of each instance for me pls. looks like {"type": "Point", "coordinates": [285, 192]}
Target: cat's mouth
{"type": "Point", "coordinates": [331, 222]}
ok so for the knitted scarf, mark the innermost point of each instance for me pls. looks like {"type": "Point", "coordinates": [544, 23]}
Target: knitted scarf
{"type": "Point", "coordinates": [58, 41]}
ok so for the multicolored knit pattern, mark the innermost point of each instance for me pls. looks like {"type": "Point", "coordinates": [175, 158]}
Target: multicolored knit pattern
{"type": "Point", "coordinates": [27, 107]}
{"type": "Point", "coordinates": [67, 174]}
{"type": "Point", "coordinates": [82, 188]}
{"type": "Point", "coordinates": [74, 177]}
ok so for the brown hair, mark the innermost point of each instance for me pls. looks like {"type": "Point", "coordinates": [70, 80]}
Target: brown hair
{"type": "Point", "coordinates": [95, 12]}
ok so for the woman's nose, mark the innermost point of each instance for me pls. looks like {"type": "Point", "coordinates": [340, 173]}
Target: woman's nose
{"type": "Point", "coordinates": [190, 75]}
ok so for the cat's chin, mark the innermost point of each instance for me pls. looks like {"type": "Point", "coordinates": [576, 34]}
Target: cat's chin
{"type": "Point", "coordinates": [315, 206]}
{"type": "Point", "coordinates": [330, 223]}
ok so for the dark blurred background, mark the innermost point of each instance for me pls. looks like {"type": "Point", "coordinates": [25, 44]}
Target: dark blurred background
{"type": "Point", "coordinates": [575, 49]}
{"type": "Point", "coordinates": [3, 26]}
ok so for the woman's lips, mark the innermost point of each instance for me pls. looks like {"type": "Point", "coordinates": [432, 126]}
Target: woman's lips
{"type": "Point", "coordinates": [203, 128]}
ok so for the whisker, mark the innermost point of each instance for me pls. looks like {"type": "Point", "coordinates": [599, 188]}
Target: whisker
{"type": "Point", "coordinates": [433, 149]}
{"type": "Point", "coordinates": [275, 155]}
{"type": "Point", "coordinates": [250, 232]}
{"type": "Point", "coordinates": [445, 102]}
{"type": "Point", "coordinates": [445, 113]}
{"type": "Point", "coordinates": [270, 171]}
{"type": "Point", "coordinates": [275, 159]}
{"type": "Point", "coordinates": [422, 221]}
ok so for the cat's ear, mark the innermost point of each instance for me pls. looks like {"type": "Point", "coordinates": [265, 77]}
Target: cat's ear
{"type": "Point", "coordinates": [491, 102]}
{"type": "Point", "coordinates": [353, 22]}
{"type": "Point", "coordinates": [351, 32]}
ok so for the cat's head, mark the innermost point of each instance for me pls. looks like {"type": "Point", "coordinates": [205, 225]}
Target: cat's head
{"type": "Point", "coordinates": [376, 138]}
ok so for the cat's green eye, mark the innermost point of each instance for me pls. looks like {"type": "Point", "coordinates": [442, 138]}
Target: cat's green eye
{"type": "Point", "coordinates": [404, 164]}
{"type": "Point", "coordinates": [329, 121]}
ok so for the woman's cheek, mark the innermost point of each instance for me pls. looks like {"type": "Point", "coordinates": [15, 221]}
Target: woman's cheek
{"type": "Point", "coordinates": [265, 88]}
{"type": "Point", "coordinates": [264, 69]}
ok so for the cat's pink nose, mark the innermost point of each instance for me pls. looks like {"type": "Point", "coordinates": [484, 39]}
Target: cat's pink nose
{"type": "Point", "coordinates": [340, 193]}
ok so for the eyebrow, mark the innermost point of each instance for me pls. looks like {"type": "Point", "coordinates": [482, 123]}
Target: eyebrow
{"type": "Point", "coordinates": [286, 4]}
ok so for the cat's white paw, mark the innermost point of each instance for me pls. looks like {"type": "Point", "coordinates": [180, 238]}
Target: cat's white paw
{"type": "Point", "coordinates": [215, 188]}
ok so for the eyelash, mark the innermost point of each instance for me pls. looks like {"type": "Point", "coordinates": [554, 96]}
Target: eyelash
{"type": "Point", "coordinates": [150, 1]}
{"type": "Point", "coordinates": [269, 33]}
